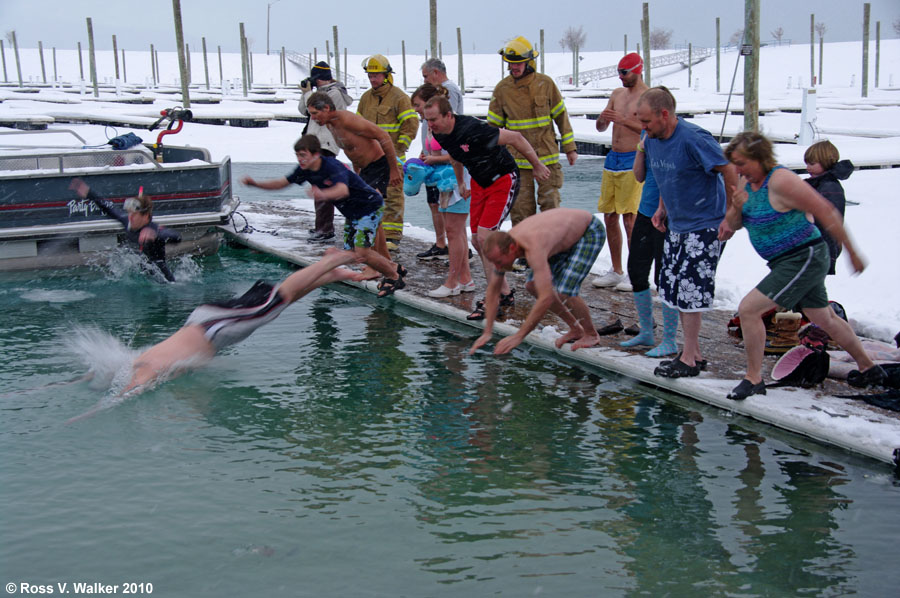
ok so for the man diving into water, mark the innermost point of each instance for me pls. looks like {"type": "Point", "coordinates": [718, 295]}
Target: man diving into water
{"type": "Point", "coordinates": [212, 327]}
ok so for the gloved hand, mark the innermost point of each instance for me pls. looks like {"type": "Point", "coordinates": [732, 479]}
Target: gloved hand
{"type": "Point", "coordinates": [305, 85]}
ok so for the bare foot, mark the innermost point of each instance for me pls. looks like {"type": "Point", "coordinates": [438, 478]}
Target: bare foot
{"type": "Point", "coordinates": [586, 341]}
{"type": "Point", "coordinates": [369, 273]}
{"type": "Point", "coordinates": [345, 274]}
{"type": "Point", "coordinates": [572, 335]}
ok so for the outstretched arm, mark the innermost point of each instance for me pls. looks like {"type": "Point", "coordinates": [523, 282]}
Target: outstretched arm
{"type": "Point", "coordinates": [84, 191]}
{"type": "Point", "coordinates": [515, 139]}
{"type": "Point", "coordinates": [271, 184]}
{"type": "Point", "coordinates": [793, 192]}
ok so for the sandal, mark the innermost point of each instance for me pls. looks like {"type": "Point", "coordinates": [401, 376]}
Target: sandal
{"type": "Point", "coordinates": [388, 286]}
{"type": "Point", "coordinates": [505, 301]}
{"type": "Point", "coordinates": [478, 312]}
{"type": "Point", "coordinates": [401, 274]}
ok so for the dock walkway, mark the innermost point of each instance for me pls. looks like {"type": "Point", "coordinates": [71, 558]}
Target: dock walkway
{"type": "Point", "coordinates": [816, 413]}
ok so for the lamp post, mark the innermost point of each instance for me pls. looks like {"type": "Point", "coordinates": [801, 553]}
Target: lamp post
{"type": "Point", "coordinates": [268, 15]}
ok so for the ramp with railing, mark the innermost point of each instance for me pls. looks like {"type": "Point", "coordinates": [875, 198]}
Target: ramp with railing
{"type": "Point", "coordinates": [305, 63]}
{"type": "Point", "coordinates": [679, 57]}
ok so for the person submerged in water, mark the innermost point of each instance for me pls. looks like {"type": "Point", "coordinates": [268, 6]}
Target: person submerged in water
{"type": "Point", "coordinates": [140, 231]}
{"type": "Point", "coordinates": [214, 326]}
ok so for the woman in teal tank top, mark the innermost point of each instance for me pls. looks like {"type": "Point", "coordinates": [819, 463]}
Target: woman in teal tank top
{"type": "Point", "coordinates": [773, 204]}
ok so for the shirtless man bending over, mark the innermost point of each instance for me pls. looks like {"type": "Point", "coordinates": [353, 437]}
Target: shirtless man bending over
{"type": "Point", "coordinates": [561, 246]}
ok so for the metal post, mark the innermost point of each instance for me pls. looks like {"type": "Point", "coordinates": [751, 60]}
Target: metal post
{"type": "Point", "coordinates": [92, 57]}
{"type": "Point", "coordinates": [3, 57]}
{"type": "Point", "coordinates": [645, 40]}
{"type": "Point", "coordinates": [43, 69]}
{"type": "Point", "coordinates": [751, 66]}
{"type": "Point", "coordinates": [432, 20]}
{"type": "Point", "coordinates": [187, 56]}
{"type": "Point", "coordinates": [690, 64]}
{"type": "Point", "coordinates": [116, 56]}
{"type": "Point", "coordinates": [244, 70]}
{"type": "Point", "coordinates": [183, 67]}
{"type": "Point", "coordinates": [337, 54]}
{"type": "Point", "coordinates": [221, 74]}
{"type": "Point", "coordinates": [124, 72]}
{"type": "Point", "coordinates": [16, 52]}
{"type": "Point", "coordinates": [718, 55]}
{"type": "Point", "coordinates": [625, 45]}
{"type": "Point", "coordinates": [867, 7]}
{"type": "Point", "coordinates": [152, 64]}
{"type": "Point", "coordinates": [56, 78]}
{"type": "Point", "coordinates": [821, 46]}
{"type": "Point", "coordinates": [459, 69]}
{"type": "Point", "coordinates": [80, 62]}
{"type": "Point", "coordinates": [877, 51]}
{"type": "Point", "coordinates": [403, 51]}
{"type": "Point", "coordinates": [268, 15]}
{"type": "Point", "coordinates": [205, 62]}
{"type": "Point", "coordinates": [812, 50]}
{"type": "Point", "coordinates": [345, 67]}
{"type": "Point", "coordinates": [542, 50]}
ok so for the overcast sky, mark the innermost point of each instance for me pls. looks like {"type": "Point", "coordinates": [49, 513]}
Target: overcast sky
{"type": "Point", "coordinates": [366, 27]}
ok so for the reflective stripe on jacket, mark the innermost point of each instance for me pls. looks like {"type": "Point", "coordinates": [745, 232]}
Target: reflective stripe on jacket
{"type": "Point", "coordinates": [529, 106]}
{"type": "Point", "coordinates": [389, 108]}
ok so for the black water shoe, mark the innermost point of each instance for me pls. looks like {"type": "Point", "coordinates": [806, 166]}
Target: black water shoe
{"type": "Point", "coordinates": [746, 389]}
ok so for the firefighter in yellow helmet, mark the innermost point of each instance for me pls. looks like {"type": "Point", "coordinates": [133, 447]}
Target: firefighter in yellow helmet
{"type": "Point", "coordinates": [529, 102]}
{"type": "Point", "coordinates": [390, 108]}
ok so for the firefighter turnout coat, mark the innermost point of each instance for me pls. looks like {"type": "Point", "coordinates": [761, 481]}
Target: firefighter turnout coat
{"type": "Point", "coordinates": [530, 105]}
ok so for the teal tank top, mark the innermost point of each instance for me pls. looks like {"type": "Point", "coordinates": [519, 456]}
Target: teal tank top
{"type": "Point", "coordinates": [775, 233]}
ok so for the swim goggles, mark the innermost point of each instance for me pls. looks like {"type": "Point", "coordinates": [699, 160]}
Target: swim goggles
{"type": "Point", "coordinates": [132, 204]}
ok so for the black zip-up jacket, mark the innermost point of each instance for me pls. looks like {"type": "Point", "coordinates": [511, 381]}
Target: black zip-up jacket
{"type": "Point", "coordinates": [828, 184]}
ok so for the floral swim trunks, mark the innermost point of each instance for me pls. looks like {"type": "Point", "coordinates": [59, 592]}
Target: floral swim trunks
{"type": "Point", "coordinates": [687, 279]}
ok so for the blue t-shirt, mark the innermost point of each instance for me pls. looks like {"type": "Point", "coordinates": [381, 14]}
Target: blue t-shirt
{"type": "Point", "coordinates": [649, 195]}
{"type": "Point", "coordinates": [683, 166]}
{"type": "Point", "coordinates": [363, 199]}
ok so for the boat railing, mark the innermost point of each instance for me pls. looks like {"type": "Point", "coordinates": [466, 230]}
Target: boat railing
{"type": "Point", "coordinates": [66, 161]}
{"type": "Point", "coordinates": [42, 132]}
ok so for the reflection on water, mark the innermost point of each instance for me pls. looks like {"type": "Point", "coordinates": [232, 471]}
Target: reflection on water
{"type": "Point", "coordinates": [352, 447]}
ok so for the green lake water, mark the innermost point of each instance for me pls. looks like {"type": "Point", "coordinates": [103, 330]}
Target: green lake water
{"type": "Point", "coordinates": [353, 448]}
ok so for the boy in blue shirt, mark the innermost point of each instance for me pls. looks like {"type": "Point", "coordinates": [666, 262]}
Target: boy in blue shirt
{"type": "Point", "coordinates": [361, 205]}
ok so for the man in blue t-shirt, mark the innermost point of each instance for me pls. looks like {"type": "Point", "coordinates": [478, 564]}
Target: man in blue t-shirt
{"type": "Point", "coordinates": [361, 205]}
{"type": "Point", "coordinates": [689, 168]}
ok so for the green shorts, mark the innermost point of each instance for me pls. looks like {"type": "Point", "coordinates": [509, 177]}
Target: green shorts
{"type": "Point", "coordinates": [797, 280]}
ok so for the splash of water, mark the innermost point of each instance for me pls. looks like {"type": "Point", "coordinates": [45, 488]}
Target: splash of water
{"type": "Point", "coordinates": [110, 366]}
{"type": "Point", "coordinates": [105, 358]}
{"type": "Point", "coordinates": [123, 262]}
{"type": "Point", "coordinates": [55, 295]}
